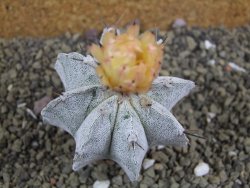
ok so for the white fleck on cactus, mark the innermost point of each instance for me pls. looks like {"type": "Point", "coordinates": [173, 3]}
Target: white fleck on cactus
{"type": "Point", "coordinates": [124, 112]}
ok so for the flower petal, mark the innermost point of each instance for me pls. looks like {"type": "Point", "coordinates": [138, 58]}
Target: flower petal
{"type": "Point", "coordinates": [160, 125]}
{"type": "Point", "coordinates": [169, 90]}
{"type": "Point", "coordinates": [69, 110]}
{"type": "Point", "coordinates": [94, 135]}
{"type": "Point", "coordinates": [129, 142]}
{"type": "Point", "coordinates": [106, 30]}
{"type": "Point", "coordinates": [76, 70]}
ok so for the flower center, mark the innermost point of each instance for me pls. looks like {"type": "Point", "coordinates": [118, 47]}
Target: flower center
{"type": "Point", "coordinates": [128, 62]}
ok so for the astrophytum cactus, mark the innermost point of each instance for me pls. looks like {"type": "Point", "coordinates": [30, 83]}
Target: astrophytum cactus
{"type": "Point", "coordinates": [115, 105]}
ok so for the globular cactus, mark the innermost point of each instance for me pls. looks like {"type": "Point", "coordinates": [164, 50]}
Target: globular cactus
{"type": "Point", "coordinates": [122, 121]}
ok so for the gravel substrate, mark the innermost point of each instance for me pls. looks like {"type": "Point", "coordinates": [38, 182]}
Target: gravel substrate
{"type": "Point", "coordinates": [33, 154]}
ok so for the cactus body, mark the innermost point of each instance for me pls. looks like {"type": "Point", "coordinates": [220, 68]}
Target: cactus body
{"type": "Point", "coordinates": [105, 123]}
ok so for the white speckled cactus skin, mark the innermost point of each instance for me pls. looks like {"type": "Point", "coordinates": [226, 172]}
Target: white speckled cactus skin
{"type": "Point", "coordinates": [108, 125]}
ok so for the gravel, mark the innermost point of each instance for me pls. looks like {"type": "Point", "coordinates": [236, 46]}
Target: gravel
{"type": "Point", "coordinates": [201, 169]}
{"type": "Point", "coordinates": [37, 155]}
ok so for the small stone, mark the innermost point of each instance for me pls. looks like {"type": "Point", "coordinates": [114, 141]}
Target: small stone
{"type": "Point", "coordinates": [213, 109]}
{"type": "Point", "coordinates": [9, 88]}
{"type": "Point", "coordinates": [17, 145]}
{"type": "Point", "coordinates": [209, 45]}
{"type": "Point", "coordinates": [12, 73]}
{"type": "Point", "coordinates": [6, 177]}
{"type": "Point", "coordinates": [158, 166]}
{"type": "Point", "coordinates": [73, 180]}
{"type": "Point", "coordinates": [147, 163]}
{"type": "Point", "coordinates": [186, 72]}
{"type": "Point", "coordinates": [164, 73]}
{"type": "Point", "coordinates": [184, 54]}
{"type": "Point", "coordinates": [223, 176]}
{"type": "Point", "coordinates": [52, 181]}
{"type": "Point", "coordinates": [160, 156]}
{"type": "Point", "coordinates": [39, 54]}
{"type": "Point", "coordinates": [117, 180]}
{"type": "Point", "coordinates": [184, 185]}
{"type": "Point", "coordinates": [1, 135]}
{"type": "Point", "coordinates": [148, 181]}
{"type": "Point", "coordinates": [174, 185]}
{"type": "Point", "coordinates": [21, 174]}
{"type": "Point", "coordinates": [83, 186]}
{"type": "Point", "coordinates": [179, 22]}
{"type": "Point", "coordinates": [21, 105]}
{"type": "Point", "coordinates": [37, 65]}
{"type": "Point", "coordinates": [34, 144]}
{"type": "Point", "coordinates": [31, 113]}
{"type": "Point", "coordinates": [191, 43]}
{"type": "Point", "coordinates": [185, 161]}
{"type": "Point", "coordinates": [236, 67]}
{"type": "Point", "coordinates": [65, 48]}
{"type": "Point", "coordinates": [210, 116]}
{"type": "Point", "coordinates": [159, 147]}
{"type": "Point", "coordinates": [150, 172]}
{"type": "Point", "coordinates": [39, 155]}
{"type": "Point", "coordinates": [211, 62]}
{"type": "Point", "coordinates": [201, 169]}
{"type": "Point", "coordinates": [232, 153]}
{"type": "Point", "coordinates": [203, 182]}
{"type": "Point", "coordinates": [170, 37]}
{"type": "Point", "coordinates": [99, 175]}
{"type": "Point", "coordinates": [222, 54]}
{"type": "Point", "coordinates": [101, 184]}
{"type": "Point", "coordinates": [142, 185]}
{"type": "Point", "coordinates": [67, 168]}
{"type": "Point", "coordinates": [46, 185]}
{"type": "Point", "coordinates": [238, 182]}
{"type": "Point", "coordinates": [214, 180]}
{"type": "Point", "coordinates": [247, 141]}
{"type": "Point", "coordinates": [3, 109]}
{"type": "Point", "coordinates": [234, 175]}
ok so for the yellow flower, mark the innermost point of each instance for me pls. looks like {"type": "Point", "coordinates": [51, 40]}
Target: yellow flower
{"type": "Point", "coordinates": [129, 62]}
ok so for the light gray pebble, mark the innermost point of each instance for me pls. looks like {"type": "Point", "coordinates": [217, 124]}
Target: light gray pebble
{"type": "Point", "coordinates": [13, 73]}
{"type": "Point", "coordinates": [214, 180]}
{"type": "Point", "coordinates": [148, 181]}
{"type": "Point", "coordinates": [17, 145]}
{"type": "Point", "coordinates": [36, 152]}
{"type": "Point", "coordinates": [191, 43]}
{"type": "Point", "coordinates": [117, 180]}
{"type": "Point", "coordinates": [175, 185]}
{"type": "Point", "coordinates": [73, 180]}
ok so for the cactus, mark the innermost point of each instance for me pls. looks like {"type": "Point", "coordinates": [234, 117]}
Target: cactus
{"type": "Point", "coordinates": [114, 113]}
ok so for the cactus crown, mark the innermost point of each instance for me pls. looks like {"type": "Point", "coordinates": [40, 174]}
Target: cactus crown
{"type": "Point", "coordinates": [128, 62]}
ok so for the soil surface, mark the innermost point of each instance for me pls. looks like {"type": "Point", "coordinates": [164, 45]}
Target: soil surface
{"type": "Point", "coordinates": [33, 154]}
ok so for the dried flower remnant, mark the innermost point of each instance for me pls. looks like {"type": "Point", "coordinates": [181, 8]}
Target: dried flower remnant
{"type": "Point", "coordinates": [129, 62]}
